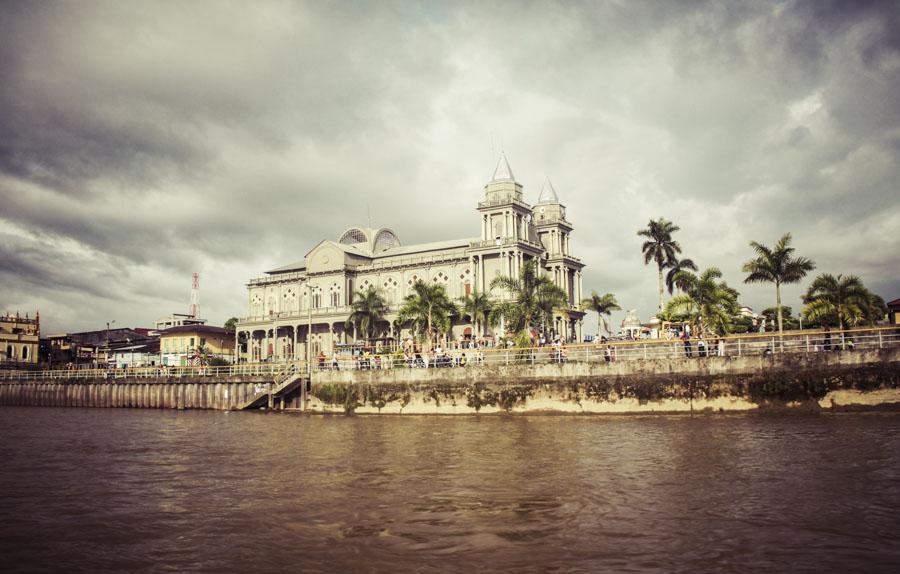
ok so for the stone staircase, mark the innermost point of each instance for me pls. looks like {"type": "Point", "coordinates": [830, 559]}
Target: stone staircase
{"type": "Point", "coordinates": [284, 383]}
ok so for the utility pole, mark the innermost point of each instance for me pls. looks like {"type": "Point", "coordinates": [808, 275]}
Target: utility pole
{"type": "Point", "coordinates": [108, 323]}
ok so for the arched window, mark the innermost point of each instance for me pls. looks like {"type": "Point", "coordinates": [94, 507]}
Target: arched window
{"type": "Point", "coordinates": [10, 353]}
{"type": "Point", "coordinates": [390, 291]}
{"type": "Point", "coordinates": [334, 295]}
{"type": "Point", "coordinates": [24, 353]}
{"type": "Point", "coordinates": [316, 298]}
{"type": "Point", "coordinates": [289, 299]}
{"type": "Point", "coordinates": [256, 305]}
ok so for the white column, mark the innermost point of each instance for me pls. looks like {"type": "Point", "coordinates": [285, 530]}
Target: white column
{"type": "Point", "coordinates": [481, 279]}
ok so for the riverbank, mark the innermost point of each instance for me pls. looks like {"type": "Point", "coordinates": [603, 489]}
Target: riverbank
{"type": "Point", "coordinates": [793, 382]}
{"type": "Point", "coordinates": [854, 380]}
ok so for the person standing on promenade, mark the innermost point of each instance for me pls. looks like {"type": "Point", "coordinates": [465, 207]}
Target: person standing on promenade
{"type": "Point", "coordinates": [686, 338]}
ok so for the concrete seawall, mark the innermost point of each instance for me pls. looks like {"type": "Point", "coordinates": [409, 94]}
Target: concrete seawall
{"type": "Point", "coordinates": [848, 380]}
{"type": "Point", "coordinates": [131, 393]}
{"type": "Point", "coordinates": [861, 380]}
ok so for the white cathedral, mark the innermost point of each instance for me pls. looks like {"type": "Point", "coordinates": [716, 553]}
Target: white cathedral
{"type": "Point", "coordinates": [309, 301]}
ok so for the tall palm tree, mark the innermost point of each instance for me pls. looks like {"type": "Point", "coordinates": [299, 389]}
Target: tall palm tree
{"type": "Point", "coordinates": [778, 266]}
{"type": "Point", "coordinates": [875, 310]}
{"type": "Point", "coordinates": [602, 305]}
{"type": "Point", "coordinates": [660, 247]}
{"type": "Point", "coordinates": [428, 310]}
{"type": "Point", "coordinates": [840, 297]}
{"type": "Point", "coordinates": [533, 297]}
{"type": "Point", "coordinates": [706, 301]}
{"type": "Point", "coordinates": [369, 309]}
{"type": "Point", "coordinates": [676, 267]}
{"type": "Point", "coordinates": [477, 306]}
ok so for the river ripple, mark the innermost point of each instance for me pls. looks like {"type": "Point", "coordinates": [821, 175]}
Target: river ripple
{"type": "Point", "coordinates": [128, 490]}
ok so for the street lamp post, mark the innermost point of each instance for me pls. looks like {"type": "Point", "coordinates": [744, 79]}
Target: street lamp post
{"type": "Point", "coordinates": [108, 323]}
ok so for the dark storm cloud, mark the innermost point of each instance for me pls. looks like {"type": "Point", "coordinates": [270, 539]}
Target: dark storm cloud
{"type": "Point", "coordinates": [140, 142]}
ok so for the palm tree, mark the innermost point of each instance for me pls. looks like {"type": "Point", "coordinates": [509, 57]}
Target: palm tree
{"type": "Point", "coordinates": [201, 353]}
{"type": "Point", "coordinates": [706, 300]}
{"type": "Point", "coordinates": [428, 310]}
{"type": "Point", "coordinates": [368, 310]}
{"type": "Point", "coordinates": [837, 297]}
{"type": "Point", "coordinates": [533, 297]}
{"type": "Point", "coordinates": [660, 247]}
{"type": "Point", "coordinates": [875, 310]}
{"type": "Point", "coordinates": [477, 306]}
{"type": "Point", "coordinates": [675, 267]}
{"type": "Point", "coordinates": [602, 305]}
{"type": "Point", "coordinates": [777, 266]}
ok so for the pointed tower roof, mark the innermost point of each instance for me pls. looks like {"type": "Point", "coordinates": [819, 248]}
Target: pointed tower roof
{"type": "Point", "coordinates": [503, 172]}
{"type": "Point", "coordinates": [548, 194]}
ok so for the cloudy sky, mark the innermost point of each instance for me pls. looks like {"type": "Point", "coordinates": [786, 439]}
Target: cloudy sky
{"type": "Point", "coordinates": [142, 141]}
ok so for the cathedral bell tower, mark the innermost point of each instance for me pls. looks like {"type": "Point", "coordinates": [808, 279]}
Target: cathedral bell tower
{"type": "Point", "coordinates": [507, 238]}
{"type": "Point", "coordinates": [504, 214]}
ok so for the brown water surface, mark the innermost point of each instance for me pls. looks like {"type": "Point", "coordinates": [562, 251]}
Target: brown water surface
{"type": "Point", "coordinates": [129, 490]}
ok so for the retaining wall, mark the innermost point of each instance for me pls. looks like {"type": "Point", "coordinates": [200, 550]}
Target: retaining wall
{"type": "Point", "coordinates": [836, 380]}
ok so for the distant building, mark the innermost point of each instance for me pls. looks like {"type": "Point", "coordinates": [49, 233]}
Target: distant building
{"type": "Point", "coordinates": [894, 312]}
{"type": "Point", "coordinates": [747, 312]}
{"type": "Point", "coordinates": [92, 349]}
{"type": "Point", "coordinates": [19, 339]}
{"type": "Point", "coordinates": [319, 288]}
{"type": "Point", "coordinates": [142, 354]}
{"type": "Point", "coordinates": [181, 346]}
{"type": "Point", "coordinates": [631, 325]}
{"type": "Point", "coordinates": [178, 320]}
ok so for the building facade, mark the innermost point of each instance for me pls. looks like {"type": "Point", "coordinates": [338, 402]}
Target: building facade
{"type": "Point", "coordinates": [309, 301]}
{"type": "Point", "coordinates": [19, 339]}
{"type": "Point", "coordinates": [180, 346]}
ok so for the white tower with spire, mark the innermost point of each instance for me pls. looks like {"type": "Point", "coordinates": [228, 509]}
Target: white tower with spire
{"type": "Point", "coordinates": [554, 231]}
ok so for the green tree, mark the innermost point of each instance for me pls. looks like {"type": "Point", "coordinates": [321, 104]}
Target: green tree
{"type": "Point", "coordinates": [368, 310]}
{"type": "Point", "coordinates": [532, 298]}
{"type": "Point", "coordinates": [660, 247]}
{"type": "Point", "coordinates": [841, 298]}
{"type": "Point", "coordinates": [875, 310]}
{"type": "Point", "coordinates": [602, 305]}
{"type": "Point", "coordinates": [778, 266]}
{"type": "Point", "coordinates": [706, 301]}
{"type": "Point", "coordinates": [676, 267]}
{"type": "Point", "coordinates": [428, 310]}
{"type": "Point", "coordinates": [477, 306]}
{"type": "Point", "coordinates": [231, 324]}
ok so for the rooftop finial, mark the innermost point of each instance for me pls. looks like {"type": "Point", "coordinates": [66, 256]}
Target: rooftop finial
{"type": "Point", "coordinates": [503, 171]}
{"type": "Point", "coordinates": [548, 194]}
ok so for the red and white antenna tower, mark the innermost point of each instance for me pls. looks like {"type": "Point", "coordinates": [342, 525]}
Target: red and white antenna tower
{"type": "Point", "coordinates": [195, 296]}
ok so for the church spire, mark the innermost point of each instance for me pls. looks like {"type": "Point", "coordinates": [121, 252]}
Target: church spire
{"type": "Point", "coordinates": [548, 194]}
{"type": "Point", "coordinates": [503, 172]}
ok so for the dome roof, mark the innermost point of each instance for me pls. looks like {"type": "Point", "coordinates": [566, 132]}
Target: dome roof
{"type": "Point", "coordinates": [369, 240]}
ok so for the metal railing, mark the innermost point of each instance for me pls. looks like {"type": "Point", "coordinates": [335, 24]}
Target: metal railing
{"type": "Point", "coordinates": [615, 351]}
{"type": "Point", "coordinates": [608, 352]}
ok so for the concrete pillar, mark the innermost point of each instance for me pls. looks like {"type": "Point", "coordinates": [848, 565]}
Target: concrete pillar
{"type": "Point", "coordinates": [483, 273]}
